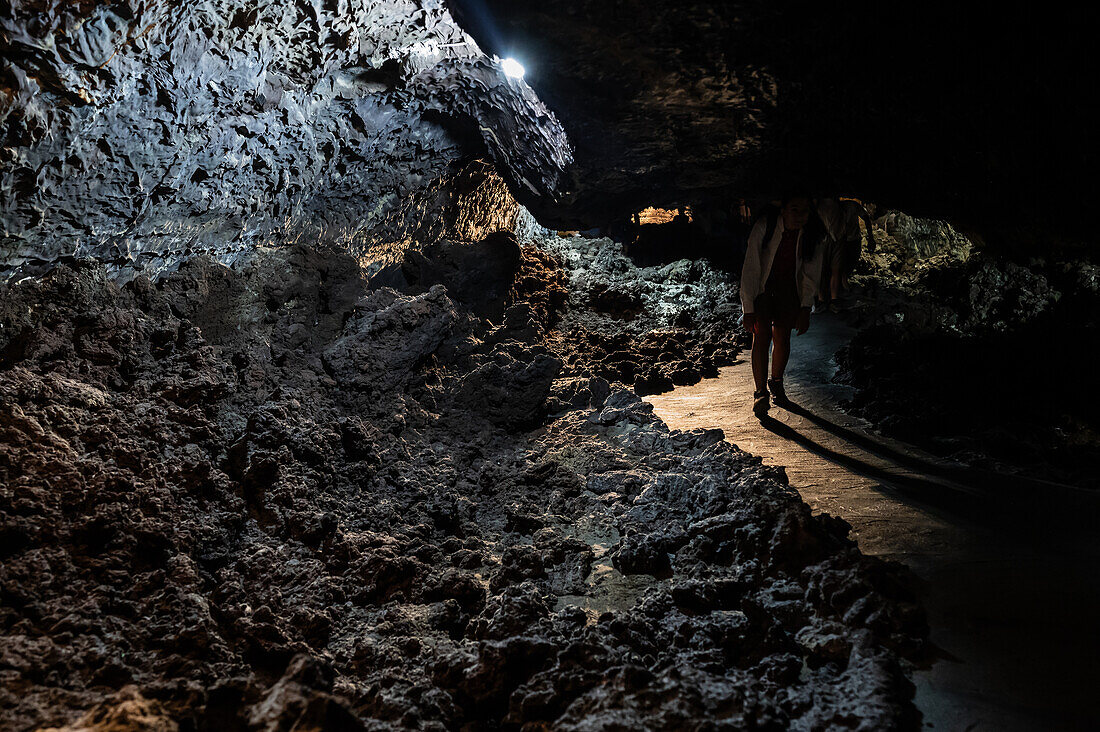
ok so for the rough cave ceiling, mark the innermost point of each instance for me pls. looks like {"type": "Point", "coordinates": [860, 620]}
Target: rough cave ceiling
{"type": "Point", "coordinates": [145, 133]}
{"type": "Point", "coordinates": [140, 132]}
{"type": "Point", "coordinates": [967, 110]}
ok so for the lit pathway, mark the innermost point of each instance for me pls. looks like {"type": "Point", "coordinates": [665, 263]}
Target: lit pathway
{"type": "Point", "coordinates": [1014, 605]}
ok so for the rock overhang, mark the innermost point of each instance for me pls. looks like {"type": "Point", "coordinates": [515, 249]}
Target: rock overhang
{"type": "Point", "coordinates": [143, 135]}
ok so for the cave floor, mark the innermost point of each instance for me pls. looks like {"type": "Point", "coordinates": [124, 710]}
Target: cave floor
{"type": "Point", "coordinates": [1012, 594]}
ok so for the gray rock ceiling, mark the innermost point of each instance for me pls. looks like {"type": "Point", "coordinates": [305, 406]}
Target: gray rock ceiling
{"type": "Point", "coordinates": [145, 133]}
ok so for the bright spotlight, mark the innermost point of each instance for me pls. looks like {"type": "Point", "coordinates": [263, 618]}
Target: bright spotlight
{"type": "Point", "coordinates": [512, 68]}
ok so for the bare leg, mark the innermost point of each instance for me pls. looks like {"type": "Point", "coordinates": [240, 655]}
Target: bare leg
{"type": "Point", "coordinates": [781, 351]}
{"type": "Point", "coordinates": [761, 342]}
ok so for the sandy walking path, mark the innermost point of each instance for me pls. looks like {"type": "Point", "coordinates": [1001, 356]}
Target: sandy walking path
{"type": "Point", "coordinates": [1013, 595]}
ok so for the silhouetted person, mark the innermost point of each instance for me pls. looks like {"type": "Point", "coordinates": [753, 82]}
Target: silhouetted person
{"type": "Point", "coordinates": [680, 227]}
{"type": "Point", "coordinates": [842, 219]}
{"type": "Point", "coordinates": [778, 285]}
{"type": "Point", "coordinates": [741, 227]}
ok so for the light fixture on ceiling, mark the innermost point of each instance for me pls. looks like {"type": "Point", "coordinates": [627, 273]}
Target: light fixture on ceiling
{"type": "Point", "coordinates": [512, 68]}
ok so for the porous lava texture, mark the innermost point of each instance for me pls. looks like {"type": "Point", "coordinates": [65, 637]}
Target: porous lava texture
{"type": "Point", "coordinates": [653, 327]}
{"type": "Point", "coordinates": [280, 497]}
{"type": "Point", "coordinates": [146, 133]}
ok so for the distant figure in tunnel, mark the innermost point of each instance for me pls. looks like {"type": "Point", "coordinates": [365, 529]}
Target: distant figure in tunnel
{"type": "Point", "coordinates": [778, 284]}
{"type": "Point", "coordinates": [842, 217]}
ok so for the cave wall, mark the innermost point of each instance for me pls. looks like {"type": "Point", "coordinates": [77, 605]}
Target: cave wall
{"type": "Point", "coordinates": [142, 133]}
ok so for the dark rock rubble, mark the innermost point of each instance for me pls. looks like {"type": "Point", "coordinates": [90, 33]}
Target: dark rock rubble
{"type": "Point", "coordinates": [977, 356]}
{"type": "Point", "coordinates": [274, 497]}
{"type": "Point", "coordinates": [652, 327]}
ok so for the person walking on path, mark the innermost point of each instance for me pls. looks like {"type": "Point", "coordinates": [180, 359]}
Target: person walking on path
{"type": "Point", "coordinates": [778, 284]}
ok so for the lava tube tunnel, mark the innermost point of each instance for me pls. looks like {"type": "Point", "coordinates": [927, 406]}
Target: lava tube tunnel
{"type": "Point", "coordinates": [508, 365]}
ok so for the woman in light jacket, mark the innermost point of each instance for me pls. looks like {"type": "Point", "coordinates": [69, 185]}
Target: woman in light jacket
{"type": "Point", "coordinates": [778, 284]}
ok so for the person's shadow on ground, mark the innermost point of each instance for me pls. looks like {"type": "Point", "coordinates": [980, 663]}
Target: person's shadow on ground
{"type": "Point", "coordinates": [962, 490]}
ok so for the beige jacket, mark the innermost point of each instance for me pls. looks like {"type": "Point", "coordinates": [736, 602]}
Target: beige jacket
{"type": "Point", "coordinates": [758, 265]}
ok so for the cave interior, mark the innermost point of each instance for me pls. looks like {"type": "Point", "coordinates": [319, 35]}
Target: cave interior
{"type": "Point", "coordinates": [338, 342]}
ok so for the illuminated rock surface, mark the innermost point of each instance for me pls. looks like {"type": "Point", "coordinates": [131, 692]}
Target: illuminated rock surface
{"type": "Point", "coordinates": [274, 494]}
{"type": "Point", "coordinates": [146, 134]}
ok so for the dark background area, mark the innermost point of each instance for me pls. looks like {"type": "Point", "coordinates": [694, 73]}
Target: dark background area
{"type": "Point", "coordinates": [973, 112]}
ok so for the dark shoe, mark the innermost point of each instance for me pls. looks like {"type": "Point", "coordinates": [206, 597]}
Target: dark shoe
{"type": "Point", "coordinates": [760, 403]}
{"type": "Point", "coordinates": [779, 394]}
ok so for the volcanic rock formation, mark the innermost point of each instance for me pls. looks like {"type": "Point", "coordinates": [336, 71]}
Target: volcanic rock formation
{"type": "Point", "coordinates": [275, 496]}
{"type": "Point", "coordinates": [143, 134]}
{"type": "Point", "coordinates": [943, 355]}
{"type": "Point", "coordinates": [306, 421]}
